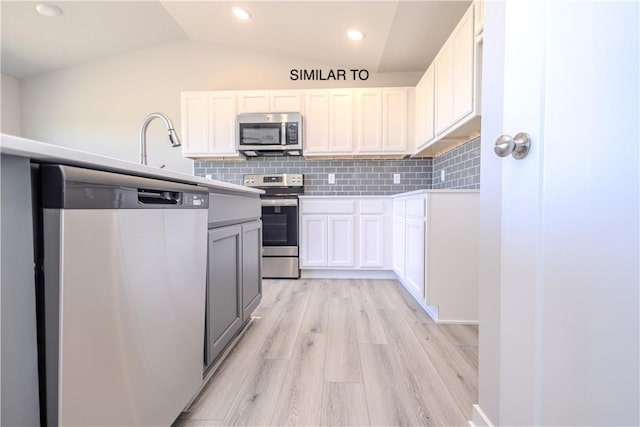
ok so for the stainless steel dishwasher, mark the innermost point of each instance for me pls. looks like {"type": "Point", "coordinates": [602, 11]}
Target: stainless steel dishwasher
{"type": "Point", "coordinates": [123, 297]}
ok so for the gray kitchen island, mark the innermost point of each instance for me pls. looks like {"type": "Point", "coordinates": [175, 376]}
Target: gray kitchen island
{"type": "Point", "coordinates": [28, 392]}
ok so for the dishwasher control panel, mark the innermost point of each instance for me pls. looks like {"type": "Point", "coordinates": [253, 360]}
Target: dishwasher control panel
{"type": "Point", "coordinates": [195, 200]}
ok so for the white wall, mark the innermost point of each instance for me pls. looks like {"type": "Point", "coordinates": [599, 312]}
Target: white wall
{"type": "Point", "coordinates": [10, 107]}
{"type": "Point", "coordinates": [99, 106]}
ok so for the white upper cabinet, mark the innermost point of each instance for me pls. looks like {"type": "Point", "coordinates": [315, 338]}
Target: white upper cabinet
{"type": "Point", "coordinates": [274, 101]}
{"type": "Point", "coordinates": [285, 101]}
{"type": "Point", "coordinates": [463, 43]}
{"type": "Point", "coordinates": [369, 120]}
{"type": "Point", "coordinates": [444, 88]}
{"type": "Point", "coordinates": [341, 121]}
{"type": "Point", "coordinates": [195, 123]}
{"type": "Point", "coordinates": [454, 103]}
{"type": "Point", "coordinates": [336, 122]}
{"type": "Point", "coordinates": [253, 101]}
{"type": "Point", "coordinates": [478, 17]}
{"type": "Point", "coordinates": [425, 100]}
{"type": "Point", "coordinates": [328, 122]}
{"type": "Point", "coordinates": [394, 120]}
{"type": "Point", "coordinates": [316, 122]}
{"type": "Point", "coordinates": [208, 124]}
{"type": "Point", "coordinates": [382, 120]}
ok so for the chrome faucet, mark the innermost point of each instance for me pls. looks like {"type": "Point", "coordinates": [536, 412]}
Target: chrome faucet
{"type": "Point", "coordinates": [173, 137]}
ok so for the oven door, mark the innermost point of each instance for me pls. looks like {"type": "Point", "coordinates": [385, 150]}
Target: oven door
{"type": "Point", "coordinates": [280, 227]}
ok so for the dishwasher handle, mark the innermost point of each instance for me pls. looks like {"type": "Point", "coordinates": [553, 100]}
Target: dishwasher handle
{"type": "Point", "coordinates": [158, 197]}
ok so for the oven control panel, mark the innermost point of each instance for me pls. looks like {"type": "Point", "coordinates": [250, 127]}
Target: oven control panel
{"type": "Point", "coordinates": [274, 180]}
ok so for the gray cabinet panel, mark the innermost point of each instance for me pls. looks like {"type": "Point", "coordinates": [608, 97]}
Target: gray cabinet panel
{"type": "Point", "coordinates": [251, 267]}
{"type": "Point", "coordinates": [224, 303]}
{"type": "Point", "coordinates": [19, 388]}
{"type": "Point", "coordinates": [232, 208]}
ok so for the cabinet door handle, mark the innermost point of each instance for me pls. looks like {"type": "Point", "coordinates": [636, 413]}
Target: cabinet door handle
{"type": "Point", "coordinates": [517, 146]}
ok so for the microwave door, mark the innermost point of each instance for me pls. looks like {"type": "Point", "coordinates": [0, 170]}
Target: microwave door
{"type": "Point", "coordinates": [260, 134]}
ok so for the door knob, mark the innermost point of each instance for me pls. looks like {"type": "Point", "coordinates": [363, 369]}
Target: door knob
{"type": "Point", "coordinates": [517, 146]}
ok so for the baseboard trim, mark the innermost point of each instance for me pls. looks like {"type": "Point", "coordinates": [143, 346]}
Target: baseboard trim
{"type": "Point", "coordinates": [479, 418]}
{"type": "Point", "coordinates": [432, 310]}
{"type": "Point", "coordinates": [457, 322]}
{"type": "Point", "coordinates": [347, 274]}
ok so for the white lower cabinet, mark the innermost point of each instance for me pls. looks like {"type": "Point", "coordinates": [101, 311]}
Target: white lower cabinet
{"type": "Point", "coordinates": [340, 240]}
{"type": "Point", "coordinates": [435, 255]}
{"type": "Point", "coordinates": [429, 239]}
{"type": "Point", "coordinates": [409, 243]}
{"type": "Point", "coordinates": [398, 244]}
{"type": "Point", "coordinates": [414, 255]}
{"type": "Point", "coordinates": [313, 243]}
{"type": "Point", "coordinates": [344, 233]}
{"type": "Point", "coordinates": [372, 239]}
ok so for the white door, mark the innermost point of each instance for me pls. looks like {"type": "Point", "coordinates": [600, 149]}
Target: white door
{"type": "Point", "coordinates": [195, 123]}
{"type": "Point", "coordinates": [286, 101]}
{"type": "Point", "coordinates": [463, 43]}
{"type": "Point", "coordinates": [316, 121]}
{"type": "Point", "coordinates": [340, 241]}
{"type": "Point", "coordinates": [559, 249]}
{"type": "Point", "coordinates": [313, 241]}
{"type": "Point", "coordinates": [443, 88]}
{"type": "Point", "coordinates": [341, 121]}
{"type": "Point", "coordinates": [399, 249]}
{"type": "Point", "coordinates": [222, 123]}
{"type": "Point", "coordinates": [394, 120]}
{"type": "Point", "coordinates": [415, 255]}
{"type": "Point", "coordinates": [371, 247]}
{"type": "Point", "coordinates": [369, 120]}
{"type": "Point", "coordinates": [253, 102]}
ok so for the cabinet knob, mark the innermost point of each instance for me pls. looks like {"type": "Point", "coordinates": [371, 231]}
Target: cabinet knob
{"type": "Point", "coordinates": [517, 146]}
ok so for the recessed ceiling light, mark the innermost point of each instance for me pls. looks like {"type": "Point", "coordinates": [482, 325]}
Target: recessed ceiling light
{"type": "Point", "coordinates": [49, 10]}
{"type": "Point", "coordinates": [240, 13]}
{"type": "Point", "coordinates": [355, 34]}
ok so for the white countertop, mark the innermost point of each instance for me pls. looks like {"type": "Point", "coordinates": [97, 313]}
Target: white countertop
{"type": "Point", "coordinates": [40, 151]}
{"type": "Point", "coordinates": [426, 191]}
{"type": "Point", "coordinates": [353, 196]}
{"type": "Point", "coordinates": [409, 193]}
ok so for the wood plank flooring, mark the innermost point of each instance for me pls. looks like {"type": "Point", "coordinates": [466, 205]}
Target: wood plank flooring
{"type": "Point", "coordinates": [342, 353]}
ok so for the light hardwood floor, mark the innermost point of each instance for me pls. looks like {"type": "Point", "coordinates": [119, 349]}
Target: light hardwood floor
{"type": "Point", "coordinates": [342, 353]}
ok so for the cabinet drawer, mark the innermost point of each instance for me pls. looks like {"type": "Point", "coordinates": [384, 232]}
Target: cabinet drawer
{"type": "Point", "coordinates": [328, 206]}
{"type": "Point", "coordinates": [417, 207]}
{"type": "Point", "coordinates": [372, 207]}
{"type": "Point", "coordinates": [231, 208]}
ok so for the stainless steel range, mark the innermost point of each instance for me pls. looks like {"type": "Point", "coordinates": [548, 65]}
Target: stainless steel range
{"type": "Point", "coordinates": [279, 223]}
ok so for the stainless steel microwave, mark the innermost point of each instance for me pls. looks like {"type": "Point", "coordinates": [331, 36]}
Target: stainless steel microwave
{"type": "Point", "coordinates": [270, 134]}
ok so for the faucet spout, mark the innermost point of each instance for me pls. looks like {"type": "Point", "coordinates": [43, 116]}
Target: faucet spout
{"type": "Point", "coordinates": [173, 136]}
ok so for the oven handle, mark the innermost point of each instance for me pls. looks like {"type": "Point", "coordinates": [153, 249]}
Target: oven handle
{"type": "Point", "coordinates": [279, 202]}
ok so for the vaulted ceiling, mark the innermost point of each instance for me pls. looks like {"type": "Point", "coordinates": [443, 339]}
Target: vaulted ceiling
{"type": "Point", "coordinates": [400, 35]}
